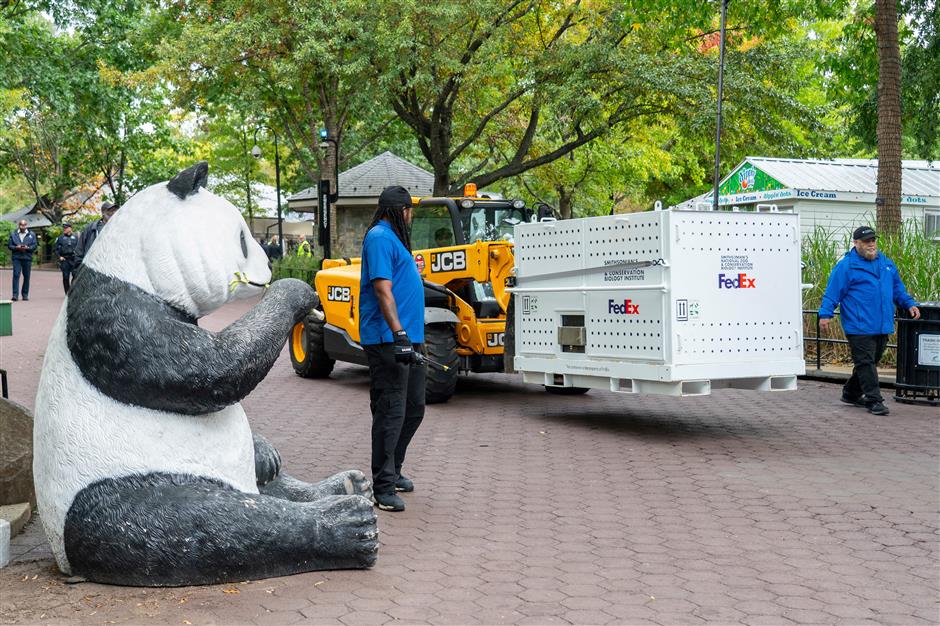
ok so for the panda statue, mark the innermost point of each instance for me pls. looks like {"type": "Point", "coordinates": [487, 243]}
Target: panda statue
{"type": "Point", "coordinates": [146, 470]}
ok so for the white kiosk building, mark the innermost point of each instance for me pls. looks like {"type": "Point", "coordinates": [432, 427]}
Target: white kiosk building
{"type": "Point", "coordinates": [835, 195]}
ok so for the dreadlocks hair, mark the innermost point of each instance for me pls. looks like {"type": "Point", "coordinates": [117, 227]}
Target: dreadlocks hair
{"type": "Point", "coordinates": [396, 217]}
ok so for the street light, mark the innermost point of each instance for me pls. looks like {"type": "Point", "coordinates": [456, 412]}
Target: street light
{"type": "Point", "coordinates": [721, 80]}
{"type": "Point", "coordinates": [324, 195]}
{"type": "Point", "coordinates": [256, 153]}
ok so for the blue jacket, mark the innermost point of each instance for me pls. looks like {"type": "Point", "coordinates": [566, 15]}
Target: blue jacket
{"type": "Point", "coordinates": [866, 292]}
{"type": "Point", "coordinates": [29, 240]}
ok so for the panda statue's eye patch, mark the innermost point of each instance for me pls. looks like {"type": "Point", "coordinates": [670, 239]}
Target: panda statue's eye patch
{"type": "Point", "coordinates": [244, 244]}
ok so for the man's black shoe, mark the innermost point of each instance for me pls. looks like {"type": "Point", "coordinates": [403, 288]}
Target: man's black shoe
{"type": "Point", "coordinates": [14, 298]}
{"type": "Point", "coordinates": [859, 401]}
{"type": "Point", "coordinates": [389, 502]}
{"type": "Point", "coordinates": [878, 408]}
{"type": "Point", "coordinates": [404, 484]}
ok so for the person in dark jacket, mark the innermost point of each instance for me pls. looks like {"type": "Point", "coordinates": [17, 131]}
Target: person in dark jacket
{"type": "Point", "coordinates": [22, 243]}
{"type": "Point", "coordinates": [274, 249]}
{"type": "Point", "coordinates": [64, 249]}
{"type": "Point", "coordinates": [88, 236]}
{"type": "Point", "coordinates": [866, 286]}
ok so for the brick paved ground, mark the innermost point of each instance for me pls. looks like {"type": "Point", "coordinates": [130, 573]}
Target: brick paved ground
{"type": "Point", "coordinates": [537, 509]}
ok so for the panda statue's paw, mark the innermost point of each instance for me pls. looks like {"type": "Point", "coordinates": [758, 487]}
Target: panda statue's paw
{"type": "Point", "coordinates": [351, 538]}
{"type": "Point", "coordinates": [297, 296]}
{"type": "Point", "coordinates": [347, 483]}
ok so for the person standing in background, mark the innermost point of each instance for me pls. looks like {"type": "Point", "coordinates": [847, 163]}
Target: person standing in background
{"type": "Point", "coordinates": [90, 234]}
{"type": "Point", "coordinates": [22, 244]}
{"type": "Point", "coordinates": [64, 249]}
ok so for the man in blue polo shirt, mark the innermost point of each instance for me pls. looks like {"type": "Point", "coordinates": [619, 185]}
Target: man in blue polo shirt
{"type": "Point", "coordinates": [866, 286]}
{"type": "Point", "coordinates": [391, 329]}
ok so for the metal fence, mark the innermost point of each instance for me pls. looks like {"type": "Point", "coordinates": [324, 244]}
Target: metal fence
{"type": "Point", "coordinates": [818, 341]}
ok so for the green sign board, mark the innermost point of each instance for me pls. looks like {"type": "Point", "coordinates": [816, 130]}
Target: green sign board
{"type": "Point", "coordinates": [748, 179]}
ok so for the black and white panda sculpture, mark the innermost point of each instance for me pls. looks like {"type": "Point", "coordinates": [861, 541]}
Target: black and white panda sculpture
{"type": "Point", "coordinates": [146, 470]}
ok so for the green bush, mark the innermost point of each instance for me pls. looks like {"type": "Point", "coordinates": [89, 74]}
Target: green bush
{"type": "Point", "coordinates": [292, 266]}
{"type": "Point", "coordinates": [5, 229]}
{"type": "Point", "coordinates": [917, 259]}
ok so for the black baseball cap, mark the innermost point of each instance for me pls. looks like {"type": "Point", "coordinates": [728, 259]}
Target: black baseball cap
{"type": "Point", "coordinates": [107, 206]}
{"type": "Point", "coordinates": [66, 225]}
{"type": "Point", "coordinates": [864, 233]}
{"type": "Point", "coordinates": [395, 197]}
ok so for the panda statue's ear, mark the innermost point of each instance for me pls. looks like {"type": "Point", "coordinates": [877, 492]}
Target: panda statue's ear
{"type": "Point", "coordinates": [189, 180]}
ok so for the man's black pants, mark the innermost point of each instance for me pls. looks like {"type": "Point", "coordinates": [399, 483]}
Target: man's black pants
{"type": "Point", "coordinates": [396, 395]}
{"type": "Point", "coordinates": [866, 353]}
{"type": "Point", "coordinates": [21, 267]}
{"type": "Point", "coordinates": [67, 274]}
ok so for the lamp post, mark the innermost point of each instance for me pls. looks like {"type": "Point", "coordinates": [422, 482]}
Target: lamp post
{"type": "Point", "coordinates": [721, 80]}
{"type": "Point", "coordinates": [325, 196]}
{"type": "Point", "coordinates": [256, 152]}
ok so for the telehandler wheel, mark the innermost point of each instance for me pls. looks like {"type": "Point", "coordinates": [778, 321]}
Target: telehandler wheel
{"type": "Point", "coordinates": [307, 352]}
{"type": "Point", "coordinates": [566, 391]}
{"type": "Point", "coordinates": [441, 346]}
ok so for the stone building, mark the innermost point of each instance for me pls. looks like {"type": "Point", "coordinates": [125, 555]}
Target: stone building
{"type": "Point", "coordinates": [359, 189]}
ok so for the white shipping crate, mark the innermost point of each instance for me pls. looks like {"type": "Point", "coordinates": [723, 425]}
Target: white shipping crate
{"type": "Point", "coordinates": [671, 302]}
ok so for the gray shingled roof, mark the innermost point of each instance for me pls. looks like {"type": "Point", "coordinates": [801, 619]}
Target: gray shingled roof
{"type": "Point", "coordinates": [367, 180]}
{"type": "Point", "coordinates": [33, 220]}
{"type": "Point", "coordinates": [918, 178]}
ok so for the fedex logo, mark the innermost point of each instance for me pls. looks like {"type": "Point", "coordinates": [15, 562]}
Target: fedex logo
{"type": "Point", "coordinates": [740, 281]}
{"type": "Point", "coordinates": [625, 308]}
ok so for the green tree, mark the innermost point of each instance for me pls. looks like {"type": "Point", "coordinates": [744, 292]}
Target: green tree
{"type": "Point", "coordinates": [78, 115]}
{"type": "Point", "coordinates": [294, 65]}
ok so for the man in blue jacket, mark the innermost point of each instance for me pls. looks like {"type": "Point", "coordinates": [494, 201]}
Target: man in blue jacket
{"type": "Point", "coordinates": [866, 286]}
{"type": "Point", "coordinates": [22, 244]}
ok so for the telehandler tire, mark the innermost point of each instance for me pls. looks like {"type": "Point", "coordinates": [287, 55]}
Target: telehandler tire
{"type": "Point", "coordinates": [307, 352]}
{"type": "Point", "coordinates": [440, 344]}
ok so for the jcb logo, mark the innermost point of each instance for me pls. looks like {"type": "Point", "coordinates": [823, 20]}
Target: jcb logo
{"type": "Point", "coordinates": [449, 261]}
{"type": "Point", "coordinates": [338, 294]}
{"type": "Point", "coordinates": [494, 340]}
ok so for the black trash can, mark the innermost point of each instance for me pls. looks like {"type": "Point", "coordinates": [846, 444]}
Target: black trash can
{"type": "Point", "coordinates": [918, 377]}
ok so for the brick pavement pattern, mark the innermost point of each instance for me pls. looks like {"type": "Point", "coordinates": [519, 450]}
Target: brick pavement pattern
{"type": "Point", "coordinates": [531, 508]}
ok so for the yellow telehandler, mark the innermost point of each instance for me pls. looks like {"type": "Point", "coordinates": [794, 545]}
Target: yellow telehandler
{"type": "Point", "coordinates": [462, 248]}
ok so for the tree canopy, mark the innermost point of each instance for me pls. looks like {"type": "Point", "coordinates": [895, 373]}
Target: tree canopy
{"type": "Point", "coordinates": [585, 105]}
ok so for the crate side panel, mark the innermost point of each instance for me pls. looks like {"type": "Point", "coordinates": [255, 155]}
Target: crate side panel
{"type": "Point", "coordinates": [735, 287]}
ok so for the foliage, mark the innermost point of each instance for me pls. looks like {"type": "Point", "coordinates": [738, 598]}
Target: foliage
{"type": "Point", "coordinates": [79, 118]}
{"type": "Point", "coordinates": [293, 65]}
{"type": "Point", "coordinates": [583, 105]}
{"type": "Point", "coordinates": [5, 229]}
{"type": "Point", "coordinates": [293, 266]}
{"type": "Point", "coordinates": [852, 64]}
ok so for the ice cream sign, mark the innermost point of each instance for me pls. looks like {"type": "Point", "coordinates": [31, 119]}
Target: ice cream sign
{"type": "Point", "coordinates": [748, 179]}
{"type": "Point", "coordinates": [746, 176]}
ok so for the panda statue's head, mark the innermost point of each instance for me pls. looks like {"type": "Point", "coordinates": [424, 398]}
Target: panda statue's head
{"type": "Point", "coordinates": [183, 244]}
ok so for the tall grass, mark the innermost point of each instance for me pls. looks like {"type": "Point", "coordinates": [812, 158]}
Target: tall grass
{"type": "Point", "coordinates": [917, 258]}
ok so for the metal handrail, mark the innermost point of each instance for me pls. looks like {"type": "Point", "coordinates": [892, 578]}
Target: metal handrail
{"type": "Point", "coordinates": [820, 340]}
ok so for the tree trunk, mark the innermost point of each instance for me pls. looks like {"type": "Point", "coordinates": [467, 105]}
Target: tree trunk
{"type": "Point", "coordinates": [889, 117]}
{"type": "Point", "coordinates": [442, 181]}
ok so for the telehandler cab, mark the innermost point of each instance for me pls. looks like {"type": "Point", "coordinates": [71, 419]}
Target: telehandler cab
{"type": "Point", "coordinates": [463, 250]}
